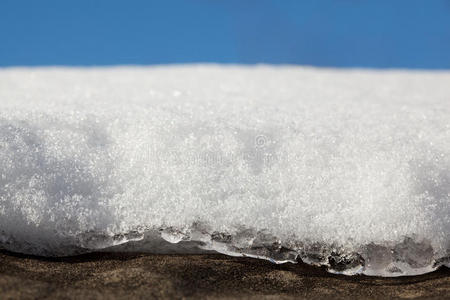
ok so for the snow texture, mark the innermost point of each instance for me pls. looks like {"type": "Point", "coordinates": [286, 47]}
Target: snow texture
{"type": "Point", "coordinates": [344, 168]}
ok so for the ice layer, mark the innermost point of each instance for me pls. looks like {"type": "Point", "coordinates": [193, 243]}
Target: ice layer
{"type": "Point", "coordinates": [344, 168]}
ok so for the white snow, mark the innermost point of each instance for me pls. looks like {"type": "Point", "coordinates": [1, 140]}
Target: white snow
{"type": "Point", "coordinates": [345, 168]}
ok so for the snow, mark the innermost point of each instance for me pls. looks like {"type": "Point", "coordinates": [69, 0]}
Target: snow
{"type": "Point", "coordinates": [344, 168]}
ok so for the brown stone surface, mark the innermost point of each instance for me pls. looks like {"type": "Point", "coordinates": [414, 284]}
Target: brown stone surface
{"type": "Point", "coordinates": [132, 276]}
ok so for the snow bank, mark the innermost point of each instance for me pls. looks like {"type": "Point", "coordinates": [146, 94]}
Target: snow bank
{"type": "Point", "coordinates": [349, 169]}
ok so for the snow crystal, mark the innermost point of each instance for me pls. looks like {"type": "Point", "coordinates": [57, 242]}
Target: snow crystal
{"type": "Point", "coordinates": [344, 168]}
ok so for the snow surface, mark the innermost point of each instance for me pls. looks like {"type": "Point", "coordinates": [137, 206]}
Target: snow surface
{"type": "Point", "coordinates": [344, 168]}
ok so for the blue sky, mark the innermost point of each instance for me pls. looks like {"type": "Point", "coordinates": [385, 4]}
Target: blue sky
{"type": "Point", "coordinates": [336, 33]}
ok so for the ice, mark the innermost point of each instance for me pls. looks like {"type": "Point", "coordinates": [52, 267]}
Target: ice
{"type": "Point", "coordinates": [344, 168]}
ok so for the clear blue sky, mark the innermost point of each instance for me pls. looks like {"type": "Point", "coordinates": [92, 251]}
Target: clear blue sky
{"type": "Point", "coordinates": [341, 33]}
